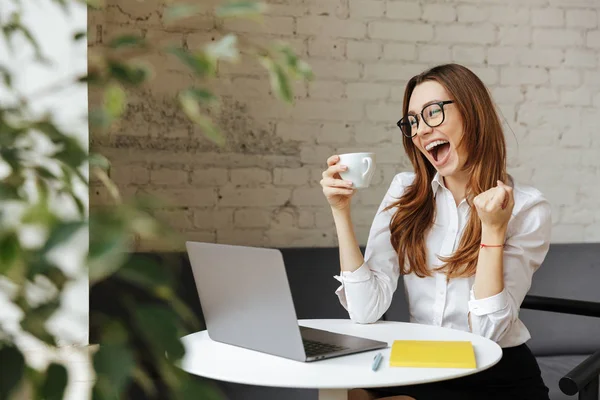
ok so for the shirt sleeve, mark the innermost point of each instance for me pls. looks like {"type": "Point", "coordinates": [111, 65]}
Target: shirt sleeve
{"type": "Point", "coordinates": [366, 293]}
{"type": "Point", "coordinates": [525, 250]}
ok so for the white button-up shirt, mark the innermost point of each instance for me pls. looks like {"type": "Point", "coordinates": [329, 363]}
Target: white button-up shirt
{"type": "Point", "coordinates": [367, 292]}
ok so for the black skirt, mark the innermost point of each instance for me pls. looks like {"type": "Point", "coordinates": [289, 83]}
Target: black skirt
{"type": "Point", "coordinates": [516, 376]}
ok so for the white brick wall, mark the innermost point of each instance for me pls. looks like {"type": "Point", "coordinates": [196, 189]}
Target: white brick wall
{"type": "Point", "coordinates": [540, 58]}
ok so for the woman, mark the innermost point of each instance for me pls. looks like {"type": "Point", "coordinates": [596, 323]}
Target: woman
{"type": "Point", "coordinates": [465, 237]}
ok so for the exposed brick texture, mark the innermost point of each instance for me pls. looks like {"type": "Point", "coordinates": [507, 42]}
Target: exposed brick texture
{"type": "Point", "coordinates": [540, 58]}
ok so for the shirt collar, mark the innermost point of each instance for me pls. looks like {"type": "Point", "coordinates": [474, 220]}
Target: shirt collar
{"type": "Point", "coordinates": [436, 182]}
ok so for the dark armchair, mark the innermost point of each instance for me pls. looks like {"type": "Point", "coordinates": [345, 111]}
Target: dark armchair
{"type": "Point", "coordinates": [585, 377]}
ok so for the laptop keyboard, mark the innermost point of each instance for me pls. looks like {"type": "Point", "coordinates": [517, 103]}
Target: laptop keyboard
{"type": "Point", "coordinates": [314, 348]}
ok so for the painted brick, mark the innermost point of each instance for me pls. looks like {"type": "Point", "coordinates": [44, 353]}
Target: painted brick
{"type": "Point", "coordinates": [250, 176]}
{"type": "Point", "coordinates": [502, 55]}
{"type": "Point", "coordinates": [503, 15]}
{"type": "Point", "coordinates": [434, 53]}
{"type": "Point", "coordinates": [581, 96]}
{"type": "Point", "coordinates": [129, 174]}
{"type": "Point", "coordinates": [326, 90]}
{"type": "Point", "coordinates": [326, 47]}
{"type": "Point", "coordinates": [477, 34]}
{"type": "Point", "coordinates": [266, 24]}
{"type": "Point", "coordinates": [469, 13]}
{"type": "Point", "coordinates": [581, 19]}
{"type": "Point", "coordinates": [331, 27]}
{"type": "Point", "coordinates": [399, 51]}
{"type": "Point", "coordinates": [211, 218]}
{"type": "Point", "coordinates": [170, 177]}
{"type": "Point", "coordinates": [308, 197]}
{"type": "Point", "coordinates": [541, 57]}
{"type": "Point", "coordinates": [367, 91]}
{"type": "Point", "coordinates": [538, 57]}
{"type": "Point", "coordinates": [547, 17]}
{"type": "Point", "coordinates": [210, 177]}
{"type": "Point", "coordinates": [367, 50]}
{"type": "Point", "coordinates": [367, 9]}
{"type": "Point", "coordinates": [514, 35]}
{"type": "Point", "coordinates": [439, 13]}
{"type": "Point", "coordinates": [581, 58]}
{"type": "Point", "coordinates": [392, 71]}
{"type": "Point", "coordinates": [564, 77]}
{"type": "Point", "coordinates": [335, 133]}
{"type": "Point", "coordinates": [468, 54]}
{"type": "Point", "coordinates": [593, 39]}
{"type": "Point", "coordinates": [336, 69]}
{"type": "Point", "coordinates": [403, 10]}
{"type": "Point", "coordinates": [399, 31]}
{"type": "Point", "coordinates": [557, 37]}
{"type": "Point", "coordinates": [252, 218]}
{"type": "Point", "coordinates": [290, 176]}
{"type": "Point", "coordinates": [328, 111]}
{"type": "Point", "coordinates": [255, 197]}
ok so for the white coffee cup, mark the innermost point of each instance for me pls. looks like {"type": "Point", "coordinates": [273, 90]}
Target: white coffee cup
{"type": "Point", "coordinates": [361, 167]}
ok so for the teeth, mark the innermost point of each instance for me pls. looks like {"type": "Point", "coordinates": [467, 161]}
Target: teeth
{"type": "Point", "coordinates": [433, 144]}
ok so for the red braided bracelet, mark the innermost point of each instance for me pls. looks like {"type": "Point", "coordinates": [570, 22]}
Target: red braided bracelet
{"type": "Point", "coordinates": [491, 245]}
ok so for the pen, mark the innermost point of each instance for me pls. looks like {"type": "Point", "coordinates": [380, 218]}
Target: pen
{"type": "Point", "coordinates": [376, 361]}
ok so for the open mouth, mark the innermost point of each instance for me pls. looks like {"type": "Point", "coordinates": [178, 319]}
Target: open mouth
{"type": "Point", "coordinates": [438, 149]}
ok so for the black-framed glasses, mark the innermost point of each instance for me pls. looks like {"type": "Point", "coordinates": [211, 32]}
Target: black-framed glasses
{"type": "Point", "coordinates": [432, 114]}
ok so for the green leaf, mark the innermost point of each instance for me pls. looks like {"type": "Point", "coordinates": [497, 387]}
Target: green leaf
{"type": "Point", "coordinates": [72, 153]}
{"type": "Point", "coordinates": [55, 383]}
{"type": "Point", "coordinates": [191, 108]}
{"type": "Point", "coordinates": [152, 276]}
{"type": "Point", "coordinates": [115, 100]}
{"type": "Point", "coordinates": [81, 207]}
{"type": "Point", "coordinates": [10, 252]}
{"type": "Point", "coordinates": [198, 62]}
{"type": "Point", "coordinates": [11, 376]}
{"type": "Point", "coordinates": [224, 49]}
{"type": "Point", "coordinates": [100, 118]}
{"type": "Point", "coordinates": [159, 326]}
{"type": "Point", "coordinates": [6, 76]}
{"type": "Point", "coordinates": [9, 192]}
{"type": "Point", "coordinates": [108, 245]}
{"type": "Point", "coordinates": [144, 381]}
{"type": "Point", "coordinates": [202, 95]}
{"type": "Point", "coordinates": [61, 233]}
{"type": "Point", "coordinates": [114, 364]}
{"type": "Point", "coordinates": [180, 11]}
{"type": "Point", "coordinates": [293, 63]}
{"type": "Point", "coordinates": [45, 173]}
{"type": "Point", "coordinates": [127, 41]}
{"type": "Point", "coordinates": [93, 4]}
{"type": "Point", "coordinates": [192, 389]}
{"type": "Point", "coordinates": [131, 75]}
{"type": "Point", "coordinates": [279, 80]}
{"type": "Point", "coordinates": [145, 272]}
{"type": "Point", "coordinates": [50, 130]}
{"type": "Point", "coordinates": [79, 35]}
{"type": "Point", "coordinates": [35, 319]}
{"type": "Point", "coordinates": [63, 5]}
{"type": "Point", "coordinates": [99, 161]}
{"type": "Point", "coordinates": [241, 9]}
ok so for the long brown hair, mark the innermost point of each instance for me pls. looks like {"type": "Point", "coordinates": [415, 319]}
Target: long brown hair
{"type": "Point", "coordinates": [486, 163]}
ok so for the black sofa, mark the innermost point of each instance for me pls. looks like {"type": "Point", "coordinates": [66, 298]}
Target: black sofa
{"type": "Point", "coordinates": [562, 312]}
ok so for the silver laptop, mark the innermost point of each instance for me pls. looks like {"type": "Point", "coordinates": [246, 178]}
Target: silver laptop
{"type": "Point", "coordinates": [246, 301]}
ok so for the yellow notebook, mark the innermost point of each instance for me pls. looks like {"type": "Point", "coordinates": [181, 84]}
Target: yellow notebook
{"type": "Point", "coordinates": [432, 354]}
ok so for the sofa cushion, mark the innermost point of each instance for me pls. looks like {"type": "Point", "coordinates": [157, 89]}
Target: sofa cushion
{"type": "Point", "coordinates": [555, 367]}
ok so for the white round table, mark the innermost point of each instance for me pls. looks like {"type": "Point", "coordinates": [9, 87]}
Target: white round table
{"type": "Point", "coordinates": [335, 376]}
